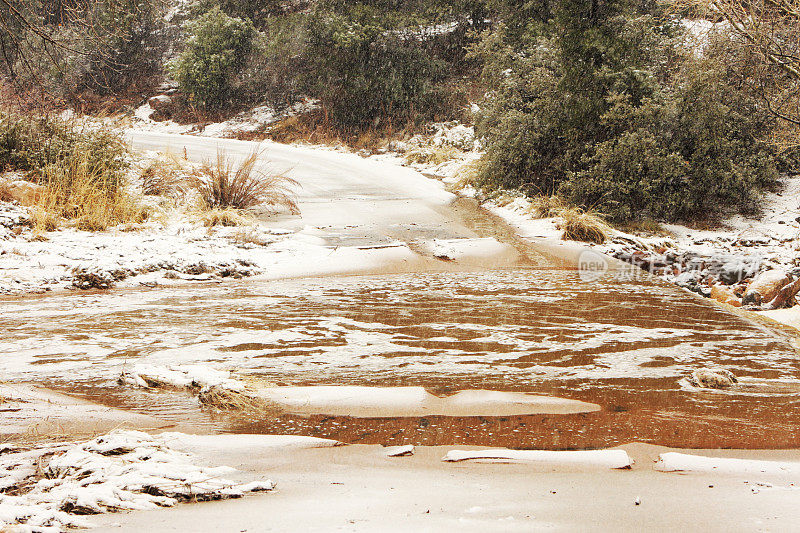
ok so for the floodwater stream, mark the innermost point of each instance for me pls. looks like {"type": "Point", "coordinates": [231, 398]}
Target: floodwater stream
{"type": "Point", "coordinates": [626, 345]}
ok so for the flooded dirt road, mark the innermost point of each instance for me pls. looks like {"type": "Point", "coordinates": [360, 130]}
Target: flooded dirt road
{"type": "Point", "coordinates": [452, 299]}
{"type": "Point", "coordinates": [625, 345]}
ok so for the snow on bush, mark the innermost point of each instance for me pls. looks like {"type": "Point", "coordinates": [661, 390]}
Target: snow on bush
{"type": "Point", "coordinates": [46, 488]}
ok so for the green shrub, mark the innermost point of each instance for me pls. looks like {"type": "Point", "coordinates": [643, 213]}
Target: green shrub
{"type": "Point", "coordinates": [39, 145]}
{"type": "Point", "coordinates": [217, 49]}
{"type": "Point", "coordinates": [62, 51]}
{"type": "Point", "coordinates": [365, 69]}
{"type": "Point", "coordinates": [602, 106]}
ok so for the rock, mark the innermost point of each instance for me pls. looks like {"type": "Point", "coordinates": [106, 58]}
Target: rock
{"type": "Point", "coordinates": [162, 107]}
{"type": "Point", "coordinates": [22, 192]}
{"type": "Point", "coordinates": [765, 286]}
{"type": "Point", "coordinates": [397, 146]}
{"type": "Point", "coordinates": [160, 102]}
{"type": "Point", "coordinates": [712, 379]}
{"type": "Point", "coordinates": [785, 297]}
{"type": "Point", "coordinates": [400, 451]}
{"type": "Point", "coordinates": [721, 294]}
{"type": "Point", "coordinates": [733, 272]}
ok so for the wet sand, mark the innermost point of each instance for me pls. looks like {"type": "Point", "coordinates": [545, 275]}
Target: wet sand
{"type": "Point", "coordinates": [31, 412]}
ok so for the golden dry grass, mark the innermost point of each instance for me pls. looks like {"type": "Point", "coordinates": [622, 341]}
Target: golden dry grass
{"type": "Point", "coordinates": [228, 216]}
{"type": "Point", "coordinates": [79, 193]}
{"type": "Point", "coordinates": [316, 128]}
{"type": "Point", "coordinates": [250, 236]}
{"type": "Point", "coordinates": [547, 206]}
{"type": "Point", "coordinates": [432, 155]}
{"type": "Point", "coordinates": [242, 403]}
{"type": "Point", "coordinates": [166, 176]}
{"type": "Point", "coordinates": [5, 192]}
{"type": "Point", "coordinates": [648, 227]}
{"type": "Point", "coordinates": [584, 226]}
{"type": "Point", "coordinates": [227, 185]}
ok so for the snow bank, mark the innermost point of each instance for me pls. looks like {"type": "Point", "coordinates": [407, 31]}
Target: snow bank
{"type": "Point", "coordinates": [235, 443]}
{"type": "Point", "coordinates": [598, 458]}
{"type": "Point", "coordinates": [681, 462]}
{"type": "Point", "coordinates": [354, 400]}
{"type": "Point", "coordinates": [517, 214]}
{"type": "Point", "coordinates": [360, 401]}
{"type": "Point", "coordinates": [200, 376]}
{"type": "Point", "coordinates": [124, 470]}
{"type": "Point", "coordinates": [400, 451]}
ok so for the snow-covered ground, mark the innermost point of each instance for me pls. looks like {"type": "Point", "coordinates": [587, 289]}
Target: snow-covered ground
{"type": "Point", "coordinates": [363, 488]}
{"type": "Point", "coordinates": [356, 216]}
{"type": "Point", "coordinates": [323, 486]}
{"type": "Point", "coordinates": [47, 488]}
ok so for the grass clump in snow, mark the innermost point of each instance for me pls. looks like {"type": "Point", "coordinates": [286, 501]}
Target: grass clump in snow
{"type": "Point", "coordinates": [647, 226]}
{"type": "Point", "coordinates": [584, 226]}
{"type": "Point", "coordinates": [81, 171]}
{"type": "Point", "coordinates": [91, 197]}
{"type": "Point", "coordinates": [166, 175]}
{"type": "Point", "coordinates": [5, 192]}
{"type": "Point", "coordinates": [217, 216]}
{"type": "Point", "coordinates": [239, 402]}
{"type": "Point", "coordinates": [250, 236]}
{"type": "Point", "coordinates": [226, 185]}
{"type": "Point", "coordinates": [432, 155]}
{"type": "Point", "coordinates": [547, 206]}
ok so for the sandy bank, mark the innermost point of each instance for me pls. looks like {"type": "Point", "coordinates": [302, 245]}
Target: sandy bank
{"type": "Point", "coordinates": [359, 488]}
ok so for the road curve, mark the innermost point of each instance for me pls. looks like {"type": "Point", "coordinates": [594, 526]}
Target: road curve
{"type": "Point", "coordinates": [355, 202]}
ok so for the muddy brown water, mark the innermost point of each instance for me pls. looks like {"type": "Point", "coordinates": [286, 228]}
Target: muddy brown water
{"type": "Point", "coordinates": [622, 344]}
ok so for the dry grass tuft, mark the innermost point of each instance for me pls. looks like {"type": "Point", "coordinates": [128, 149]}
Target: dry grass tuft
{"type": "Point", "coordinates": [242, 403]}
{"type": "Point", "coordinates": [250, 237]}
{"type": "Point", "coordinates": [547, 206]}
{"type": "Point", "coordinates": [648, 227]}
{"type": "Point", "coordinates": [165, 176]}
{"type": "Point", "coordinates": [5, 191]}
{"type": "Point", "coordinates": [82, 192]}
{"type": "Point", "coordinates": [316, 128]}
{"type": "Point", "coordinates": [224, 185]}
{"type": "Point", "coordinates": [223, 217]}
{"type": "Point", "coordinates": [584, 226]}
{"type": "Point", "coordinates": [42, 220]}
{"type": "Point", "coordinates": [432, 155]}
{"type": "Point", "coordinates": [466, 175]}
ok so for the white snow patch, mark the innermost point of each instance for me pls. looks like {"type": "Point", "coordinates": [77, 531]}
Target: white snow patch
{"type": "Point", "coordinates": [681, 462]}
{"type": "Point", "coordinates": [201, 376]}
{"type": "Point", "coordinates": [465, 249]}
{"type": "Point", "coordinates": [362, 401]}
{"type": "Point", "coordinates": [517, 214]}
{"type": "Point", "coordinates": [124, 470]}
{"type": "Point", "coordinates": [598, 458]}
{"type": "Point", "coordinates": [239, 442]}
{"type": "Point", "coordinates": [400, 451]}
